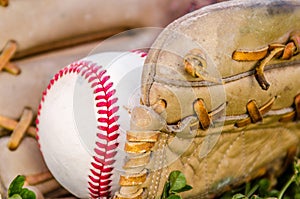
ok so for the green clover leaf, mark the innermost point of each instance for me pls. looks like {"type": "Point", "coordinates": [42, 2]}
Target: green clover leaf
{"type": "Point", "coordinates": [177, 181]}
{"type": "Point", "coordinates": [16, 186]}
{"type": "Point", "coordinates": [176, 184]}
{"type": "Point", "coordinates": [16, 190]}
{"type": "Point", "coordinates": [174, 197]}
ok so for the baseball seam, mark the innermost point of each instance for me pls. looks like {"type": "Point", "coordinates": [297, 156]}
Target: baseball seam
{"type": "Point", "coordinates": [102, 162]}
{"type": "Point", "coordinates": [140, 52]}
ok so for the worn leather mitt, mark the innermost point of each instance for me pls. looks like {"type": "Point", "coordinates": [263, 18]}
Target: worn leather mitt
{"type": "Point", "coordinates": [220, 100]}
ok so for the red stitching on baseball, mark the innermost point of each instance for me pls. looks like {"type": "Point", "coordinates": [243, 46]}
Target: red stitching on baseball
{"type": "Point", "coordinates": [140, 52]}
{"type": "Point", "coordinates": [110, 147]}
{"type": "Point", "coordinates": [101, 171]}
{"type": "Point", "coordinates": [105, 155]}
{"type": "Point", "coordinates": [108, 138]}
{"type": "Point", "coordinates": [107, 87]}
{"type": "Point", "coordinates": [108, 112]}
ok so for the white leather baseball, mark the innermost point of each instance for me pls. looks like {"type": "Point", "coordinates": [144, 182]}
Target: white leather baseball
{"type": "Point", "coordinates": [82, 120]}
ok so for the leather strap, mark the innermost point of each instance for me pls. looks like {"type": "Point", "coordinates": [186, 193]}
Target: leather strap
{"type": "Point", "coordinates": [138, 147]}
{"type": "Point", "coordinates": [195, 63]}
{"type": "Point", "coordinates": [266, 54]}
{"type": "Point", "coordinates": [133, 179]}
{"type": "Point", "coordinates": [7, 53]}
{"type": "Point", "coordinates": [256, 55]}
{"type": "Point", "coordinates": [202, 114]}
{"type": "Point", "coordinates": [4, 3]}
{"type": "Point", "coordinates": [20, 129]}
{"type": "Point", "coordinates": [10, 124]}
{"type": "Point", "coordinates": [259, 70]}
{"type": "Point", "coordinates": [140, 136]}
{"type": "Point", "coordinates": [255, 113]}
{"type": "Point", "coordinates": [295, 114]}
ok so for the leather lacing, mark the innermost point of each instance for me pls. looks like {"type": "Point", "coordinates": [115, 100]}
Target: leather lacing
{"type": "Point", "coordinates": [195, 65]}
{"type": "Point", "coordinates": [4, 3]}
{"type": "Point", "coordinates": [18, 128]}
{"type": "Point", "coordinates": [295, 114]}
{"type": "Point", "coordinates": [255, 113]}
{"type": "Point", "coordinates": [265, 55]}
{"type": "Point", "coordinates": [138, 147]}
{"type": "Point", "coordinates": [7, 53]}
{"type": "Point", "coordinates": [140, 144]}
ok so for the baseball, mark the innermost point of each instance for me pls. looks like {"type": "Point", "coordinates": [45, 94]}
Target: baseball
{"type": "Point", "coordinates": [82, 119]}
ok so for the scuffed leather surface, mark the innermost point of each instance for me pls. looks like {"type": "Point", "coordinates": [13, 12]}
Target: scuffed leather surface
{"type": "Point", "coordinates": [222, 158]}
{"type": "Point", "coordinates": [42, 25]}
{"type": "Point", "coordinates": [249, 25]}
{"type": "Point", "coordinates": [284, 85]}
{"type": "Point", "coordinates": [212, 162]}
{"type": "Point", "coordinates": [236, 157]}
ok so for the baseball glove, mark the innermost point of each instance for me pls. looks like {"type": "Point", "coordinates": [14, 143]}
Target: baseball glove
{"type": "Point", "coordinates": [221, 100]}
{"type": "Point", "coordinates": [40, 37]}
{"type": "Point", "coordinates": [55, 24]}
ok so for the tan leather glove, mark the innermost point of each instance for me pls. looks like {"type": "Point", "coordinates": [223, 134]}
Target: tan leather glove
{"type": "Point", "coordinates": [42, 25]}
{"type": "Point", "coordinates": [221, 95]}
{"type": "Point", "coordinates": [40, 37]}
